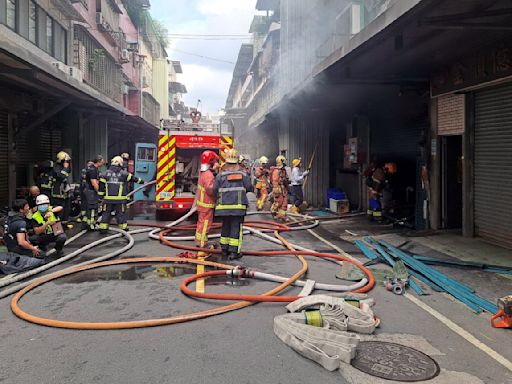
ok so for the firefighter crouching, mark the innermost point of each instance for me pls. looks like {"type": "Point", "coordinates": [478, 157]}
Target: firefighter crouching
{"type": "Point", "coordinates": [45, 225]}
{"type": "Point", "coordinates": [60, 184]}
{"type": "Point", "coordinates": [114, 190]}
{"type": "Point", "coordinates": [205, 198]}
{"type": "Point", "coordinates": [279, 180]}
{"type": "Point", "coordinates": [91, 187]}
{"type": "Point", "coordinates": [231, 187]}
{"type": "Point", "coordinates": [262, 183]}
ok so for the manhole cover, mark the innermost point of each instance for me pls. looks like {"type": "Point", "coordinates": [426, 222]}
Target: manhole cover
{"type": "Point", "coordinates": [392, 361]}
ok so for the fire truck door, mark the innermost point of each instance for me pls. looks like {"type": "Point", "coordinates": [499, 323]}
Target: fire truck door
{"type": "Point", "coordinates": [145, 168]}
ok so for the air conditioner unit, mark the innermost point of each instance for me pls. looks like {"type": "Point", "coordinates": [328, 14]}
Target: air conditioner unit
{"type": "Point", "coordinates": [132, 47]}
{"type": "Point", "coordinates": [61, 66]}
{"type": "Point", "coordinates": [99, 18]}
{"type": "Point", "coordinates": [125, 56]}
{"type": "Point", "coordinates": [76, 73]}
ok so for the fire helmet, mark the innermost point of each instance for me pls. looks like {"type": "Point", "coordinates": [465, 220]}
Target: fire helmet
{"type": "Point", "coordinates": [63, 156]}
{"type": "Point", "coordinates": [208, 158]}
{"type": "Point", "coordinates": [263, 160]}
{"type": "Point", "coordinates": [117, 161]}
{"type": "Point", "coordinates": [280, 161]}
{"type": "Point", "coordinates": [232, 156]}
{"type": "Point", "coordinates": [296, 162]}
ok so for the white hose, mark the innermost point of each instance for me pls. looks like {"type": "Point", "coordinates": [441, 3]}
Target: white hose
{"type": "Point", "coordinates": [45, 267]}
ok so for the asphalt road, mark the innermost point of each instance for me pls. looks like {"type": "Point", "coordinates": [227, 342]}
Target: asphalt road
{"type": "Point", "coordinates": [237, 347]}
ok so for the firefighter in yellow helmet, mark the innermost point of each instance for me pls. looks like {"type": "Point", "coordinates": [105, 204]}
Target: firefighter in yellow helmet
{"type": "Point", "coordinates": [279, 181]}
{"type": "Point", "coordinates": [231, 187]}
{"type": "Point", "coordinates": [262, 174]}
{"type": "Point", "coordinates": [61, 187]}
{"type": "Point", "coordinates": [114, 189]}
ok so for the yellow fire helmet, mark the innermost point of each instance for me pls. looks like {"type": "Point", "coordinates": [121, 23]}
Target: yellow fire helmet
{"type": "Point", "coordinates": [117, 160]}
{"type": "Point", "coordinates": [296, 162]}
{"type": "Point", "coordinates": [63, 156]}
{"type": "Point", "coordinates": [280, 161]}
{"type": "Point", "coordinates": [263, 160]}
{"type": "Point", "coordinates": [232, 156]}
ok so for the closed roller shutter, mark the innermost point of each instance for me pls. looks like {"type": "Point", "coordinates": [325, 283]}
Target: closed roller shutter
{"type": "Point", "coordinates": [4, 166]}
{"type": "Point", "coordinates": [493, 164]}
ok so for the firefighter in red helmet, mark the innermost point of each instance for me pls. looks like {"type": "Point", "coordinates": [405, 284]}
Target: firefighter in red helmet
{"type": "Point", "coordinates": [205, 198]}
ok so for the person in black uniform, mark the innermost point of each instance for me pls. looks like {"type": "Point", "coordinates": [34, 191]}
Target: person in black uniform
{"type": "Point", "coordinates": [91, 189]}
{"type": "Point", "coordinates": [16, 233]}
{"type": "Point", "coordinates": [231, 187]}
{"type": "Point", "coordinates": [114, 190]}
{"type": "Point", "coordinates": [60, 188]}
{"type": "Point", "coordinates": [45, 179]}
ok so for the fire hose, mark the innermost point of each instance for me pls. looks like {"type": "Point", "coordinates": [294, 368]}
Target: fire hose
{"type": "Point", "coordinates": [248, 299]}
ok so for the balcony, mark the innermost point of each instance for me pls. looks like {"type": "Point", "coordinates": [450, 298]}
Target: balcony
{"type": "Point", "coordinates": [98, 67]}
{"type": "Point", "coordinates": [150, 109]}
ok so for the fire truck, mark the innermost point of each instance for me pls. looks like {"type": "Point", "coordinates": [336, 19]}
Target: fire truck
{"type": "Point", "coordinates": [180, 145]}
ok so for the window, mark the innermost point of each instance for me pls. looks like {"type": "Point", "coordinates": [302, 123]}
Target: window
{"type": "Point", "coordinates": [61, 44]}
{"type": "Point", "coordinates": [11, 14]}
{"type": "Point", "coordinates": [49, 35]}
{"type": "Point", "coordinates": [146, 154]}
{"type": "Point", "coordinates": [32, 22]}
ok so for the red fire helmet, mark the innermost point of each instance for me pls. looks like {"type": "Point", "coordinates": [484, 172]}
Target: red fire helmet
{"type": "Point", "coordinates": [208, 158]}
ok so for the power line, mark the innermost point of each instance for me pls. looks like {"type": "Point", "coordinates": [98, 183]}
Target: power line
{"type": "Point", "coordinates": [202, 56]}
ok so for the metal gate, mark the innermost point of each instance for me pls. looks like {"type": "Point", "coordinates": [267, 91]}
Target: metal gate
{"type": "Point", "coordinates": [493, 164]}
{"type": "Point", "coordinates": [4, 165]}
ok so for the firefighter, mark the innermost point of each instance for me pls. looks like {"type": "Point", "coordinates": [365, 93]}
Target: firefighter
{"type": "Point", "coordinates": [231, 187]}
{"type": "Point", "coordinates": [45, 179]}
{"type": "Point", "coordinates": [244, 166]}
{"type": "Point", "coordinates": [205, 198]}
{"type": "Point", "coordinates": [114, 190]}
{"type": "Point", "coordinates": [83, 197]}
{"type": "Point", "coordinates": [42, 224]}
{"type": "Point", "coordinates": [60, 184]}
{"type": "Point", "coordinates": [297, 179]}
{"type": "Point", "coordinates": [91, 189]}
{"type": "Point", "coordinates": [375, 181]}
{"type": "Point", "coordinates": [279, 181]}
{"type": "Point", "coordinates": [262, 183]}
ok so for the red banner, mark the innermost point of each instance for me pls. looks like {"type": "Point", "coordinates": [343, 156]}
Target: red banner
{"type": "Point", "coordinates": [196, 141]}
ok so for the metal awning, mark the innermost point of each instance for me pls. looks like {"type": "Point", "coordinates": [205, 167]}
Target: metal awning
{"type": "Point", "coordinates": [176, 87]}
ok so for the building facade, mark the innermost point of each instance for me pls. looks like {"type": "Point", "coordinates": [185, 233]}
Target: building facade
{"type": "Point", "coordinates": [421, 83]}
{"type": "Point", "coordinates": [70, 79]}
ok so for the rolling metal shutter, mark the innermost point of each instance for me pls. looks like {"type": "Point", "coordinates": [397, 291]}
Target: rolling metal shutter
{"type": "Point", "coordinates": [4, 166]}
{"type": "Point", "coordinates": [493, 164]}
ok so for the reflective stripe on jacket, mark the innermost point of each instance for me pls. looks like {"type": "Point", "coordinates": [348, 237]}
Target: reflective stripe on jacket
{"type": "Point", "coordinates": [205, 198]}
{"type": "Point", "coordinates": [279, 180]}
{"type": "Point", "coordinates": [114, 185]}
{"type": "Point", "coordinates": [60, 181]}
{"type": "Point", "coordinates": [41, 220]}
{"type": "Point", "coordinates": [231, 188]}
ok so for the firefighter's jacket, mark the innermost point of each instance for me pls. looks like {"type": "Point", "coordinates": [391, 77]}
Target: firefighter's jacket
{"type": "Point", "coordinates": [114, 185]}
{"type": "Point", "coordinates": [205, 198]}
{"type": "Point", "coordinates": [45, 180]}
{"type": "Point", "coordinates": [261, 174]}
{"type": "Point", "coordinates": [231, 189]}
{"type": "Point", "coordinates": [60, 176]}
{"type": "Point", "coordinates": [279, 180]}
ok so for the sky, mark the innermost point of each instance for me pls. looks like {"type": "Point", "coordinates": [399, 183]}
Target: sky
{"type": "Point", "coordinates": [205, 79]}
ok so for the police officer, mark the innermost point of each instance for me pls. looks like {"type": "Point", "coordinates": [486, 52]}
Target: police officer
{"type": "Point", "coordinates": [91, 187]}
{"type": "Point", "coordinates": [114, 189]}
{"type": "Point", "coordinates": [42, 223]}
{"type": "Point", "coordinates": [15, 231]}
{"type": "Point", "coordinates": [231, 187]}
{"type": "Point", "coordinates": [60, 186]}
